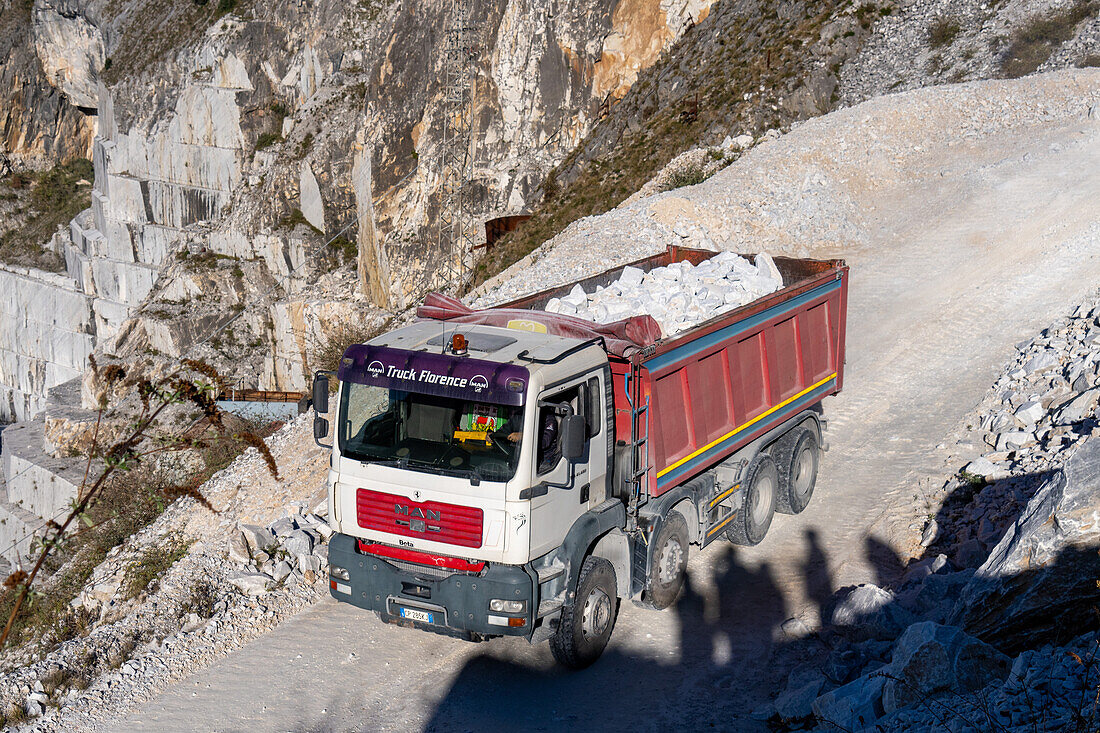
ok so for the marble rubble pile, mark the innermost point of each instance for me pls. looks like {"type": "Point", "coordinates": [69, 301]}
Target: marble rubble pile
{"type": "Point", "coordinates": [678, 296]}
{"type": "Point", "coordinates": [290, 548]}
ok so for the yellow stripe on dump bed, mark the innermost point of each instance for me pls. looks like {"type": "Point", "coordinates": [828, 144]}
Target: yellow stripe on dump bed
{"type": "Point", "coordinates": [738, 429]}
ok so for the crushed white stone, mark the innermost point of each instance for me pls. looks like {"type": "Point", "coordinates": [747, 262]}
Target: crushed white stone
{"type": "Point", "coordinates": [678, 296]}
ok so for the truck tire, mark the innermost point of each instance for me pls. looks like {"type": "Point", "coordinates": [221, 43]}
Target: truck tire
{"type": "Point", "coordinates": [754, 517]}
{"type": "Point", "coordinates": [586, 622]}
{"type": "Point", "coordinates": [798, 458]}
{"type": "Point", "coordinates": [670, 555]}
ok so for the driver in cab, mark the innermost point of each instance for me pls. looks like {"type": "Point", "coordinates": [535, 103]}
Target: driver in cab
{"type": "Point", "coordinates": [512, 430]}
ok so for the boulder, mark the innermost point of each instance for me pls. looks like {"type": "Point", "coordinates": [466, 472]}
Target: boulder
{"type": "Point", "coordinates": [981, 467]}
{"type": "Point", "coordinates": [1030, 412]}
{"type": "Point", "coordinates": [854, 706]}
{"type": "Point", "coordinates": [933, 599]}
{"type": "Point", "coordinates": [871, 612]}
{"type": "Point", "coordinates": [1045, 361]}
{"type": "Point", "coordinates": [259, 539]}
{"type": "Point", "coordinates": [237, 547]}
{"type": "Point", "coordinates": [297, 543]}
{"type": "Point", "coordinates": [921, 569]}
{"type": "Point", "coordinates": [1014, 440]}
{"type": "Point", "coordinates": [931, 533]}
{"type": "Point", "coordinates": [281, 570]}
{"type": "Point", "coordinates": [308, 562]}
{"type": "Point", "coordinates": [796, 701]}
{"type": "Point", "coordinates": [840, 664]}
{"type": "Point", "coordinates": [251, 584]}
{"type": "Point", "coordinates": [970, 554]}
{"type": "Point", "coordinates": [1041, 576]}
{"type": "Point", "coordinates": [930, 658]}
{"type": "Point", "coordinates": [282, 527]}
{"type": "Point", "coordinates": [1079, 408]}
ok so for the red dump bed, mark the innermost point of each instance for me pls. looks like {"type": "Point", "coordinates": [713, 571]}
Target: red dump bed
{"type": "Point", "coordinates": [711, 389]}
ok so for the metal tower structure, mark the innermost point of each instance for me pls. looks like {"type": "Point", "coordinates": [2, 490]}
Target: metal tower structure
{"type": "Point", "coordinates": [456, 160]}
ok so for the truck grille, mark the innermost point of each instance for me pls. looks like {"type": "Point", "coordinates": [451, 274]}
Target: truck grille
{"type": "Point", "coordinates": [430, 520]}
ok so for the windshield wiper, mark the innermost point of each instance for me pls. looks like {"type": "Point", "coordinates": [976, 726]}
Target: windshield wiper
{"type": "Point", "coordinates": [431, 467]}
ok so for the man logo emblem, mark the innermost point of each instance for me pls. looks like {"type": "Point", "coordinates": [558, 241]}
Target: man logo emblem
{"type": "Point", "coordinates": [479, 383]}
{"type": "Point", "coordinates": [376, 368]}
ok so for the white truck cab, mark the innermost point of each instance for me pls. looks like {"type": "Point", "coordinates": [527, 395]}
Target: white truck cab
{"type": "Point", "coordinates": [458, 458]}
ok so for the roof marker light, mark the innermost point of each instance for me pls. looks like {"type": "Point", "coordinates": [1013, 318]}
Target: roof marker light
{"type": "Point", "coordinates": [458, 345]}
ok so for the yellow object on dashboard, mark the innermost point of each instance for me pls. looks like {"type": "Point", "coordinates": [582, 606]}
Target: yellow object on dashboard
{"type": "Point", "coordinates": [481, 435]}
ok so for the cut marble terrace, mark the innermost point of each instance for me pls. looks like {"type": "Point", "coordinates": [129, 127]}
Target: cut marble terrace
{"type": "Point", "coordinates": [678, 296]}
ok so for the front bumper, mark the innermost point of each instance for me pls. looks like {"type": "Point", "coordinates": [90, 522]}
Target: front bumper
{"type": "Point", "coordinates": [459, 602]}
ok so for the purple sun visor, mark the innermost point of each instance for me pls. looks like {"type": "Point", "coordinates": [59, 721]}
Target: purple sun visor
{"type": "Point", "coordinates": [442, 375]}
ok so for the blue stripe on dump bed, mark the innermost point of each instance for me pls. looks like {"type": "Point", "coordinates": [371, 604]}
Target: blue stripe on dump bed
{"type": "Point", "coordinates": [744, 435]}
{"type": "Point", "coordinates": [691, 348]}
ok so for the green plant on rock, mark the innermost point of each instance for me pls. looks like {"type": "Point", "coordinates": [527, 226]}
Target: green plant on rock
{"type": "Point", "coordinates": [56, 197]}
{"type": "Point", "coordinates": [943, 31]}
{"type": "Point", "coordinates": [1034, 42]}
{"type": "Point", "coordinates": [144, 573]}
{"type": "Point", "coordinates": [687, 176]}
{"type": "Point", "coordinates": [267, 139]}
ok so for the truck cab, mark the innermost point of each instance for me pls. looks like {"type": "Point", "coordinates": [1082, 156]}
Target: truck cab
{"type": "Point", "coordinates": [458, 459]}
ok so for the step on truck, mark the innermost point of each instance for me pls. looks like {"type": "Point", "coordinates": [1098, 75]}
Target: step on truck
{"type": "Point", "coordinates": [512, 472]}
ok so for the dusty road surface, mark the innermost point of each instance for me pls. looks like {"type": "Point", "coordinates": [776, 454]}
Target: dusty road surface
{"type": "Point", "coordinates": [971, 237]}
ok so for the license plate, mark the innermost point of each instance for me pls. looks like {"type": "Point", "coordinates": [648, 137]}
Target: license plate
{"type": "Point", "coordinates": [413, 615]}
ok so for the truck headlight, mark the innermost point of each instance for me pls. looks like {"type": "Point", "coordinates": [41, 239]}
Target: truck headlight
{"type": "Point", "coordinates": [503, 606]}
{"type": "Point", "coordinates": [339, 572]}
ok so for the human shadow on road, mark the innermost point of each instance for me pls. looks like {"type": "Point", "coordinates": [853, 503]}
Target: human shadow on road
{"type": "Point", "coordinates": [815, 569]}
{"type": "Point", "coordinates": [887, 564]}
{"type": "Point", "coordinates": [725, 640]}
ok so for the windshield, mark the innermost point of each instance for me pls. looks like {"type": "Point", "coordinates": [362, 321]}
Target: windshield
{"type": "Point", "coordinates": [430, 433]}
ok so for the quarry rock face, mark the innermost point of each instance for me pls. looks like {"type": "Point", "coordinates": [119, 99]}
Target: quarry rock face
{"type": "Point", "coordinates": [46, 335]}
{"type": "Point", "coordinates": [70, 48]}
{"type": "Point", "coordinates": [210, 131]}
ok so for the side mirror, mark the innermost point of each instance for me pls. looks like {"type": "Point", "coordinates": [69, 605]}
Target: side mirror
{"type": "Point", "coordinates": [320, 428]}
{"type": "Point", "coordinates": [320, 393]}
{"type": "Point", "coordinates": [572, 437]}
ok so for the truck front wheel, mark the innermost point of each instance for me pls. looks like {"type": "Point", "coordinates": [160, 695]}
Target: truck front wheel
{"type": "Point", "coordinates": [759, 489]}
{"type": "Point", "coordinates": [586, 622]}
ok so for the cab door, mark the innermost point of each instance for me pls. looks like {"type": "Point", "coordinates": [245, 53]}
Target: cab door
{"type": "Point", "coordinates": [553, 513]}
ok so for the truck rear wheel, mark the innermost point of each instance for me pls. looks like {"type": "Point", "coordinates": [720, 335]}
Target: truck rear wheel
{"type": "Point", "coordinates": [586, 622]}
{"type": "Point", "coordinates": [798, 460]}
{"type": "Point", "coordinates": [760, 487]}
{"type": "Point", "coordinates": [670, 554]}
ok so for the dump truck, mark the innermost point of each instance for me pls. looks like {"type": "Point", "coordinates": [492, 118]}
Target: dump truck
{"type": "Point", "coordinates": [511, 472]}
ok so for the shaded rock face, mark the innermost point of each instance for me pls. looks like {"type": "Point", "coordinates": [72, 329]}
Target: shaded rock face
{"type": "Point", "coordinates": [1039, 582]}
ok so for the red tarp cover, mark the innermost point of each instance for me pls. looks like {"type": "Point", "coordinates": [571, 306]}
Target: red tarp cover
{"type": "Point", "coordinates": [620, 337]}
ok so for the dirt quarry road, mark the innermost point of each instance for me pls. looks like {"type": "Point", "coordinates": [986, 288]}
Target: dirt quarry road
{"type": "Point", "coordinates": [975, 217]}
